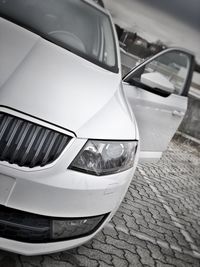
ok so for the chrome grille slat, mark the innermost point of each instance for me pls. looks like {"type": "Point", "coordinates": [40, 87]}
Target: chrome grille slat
{"type": "Point", "coordinates": [32, 139]}
{"type": "Point", "coordinates": [10, 137]}
{"type": "Point", "coordinates": [28, 144]}
{"type": "Point", "coordinates": [61, 145]}
{"type": "Point", "coordinates": [10, 129]}
{"type": "Point", "coordinates": [21, 140]}
{"type": "Point", "coordinates": [37, 154]}
{"type": "Point", "coordinates": [45, 159]}
{"type": "Point", "coordinates": [4, 126]}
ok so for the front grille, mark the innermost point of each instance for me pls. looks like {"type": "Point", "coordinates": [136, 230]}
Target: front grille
{"type": "Point", "coordinates": [28, 144]}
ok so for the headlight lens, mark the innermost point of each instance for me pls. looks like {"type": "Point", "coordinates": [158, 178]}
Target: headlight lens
{"type": "Point", "coordinates": [105, 157]}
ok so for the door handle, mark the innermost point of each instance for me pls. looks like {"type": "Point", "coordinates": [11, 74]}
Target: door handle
{"type": "Point", "coordinates": [178, 113]}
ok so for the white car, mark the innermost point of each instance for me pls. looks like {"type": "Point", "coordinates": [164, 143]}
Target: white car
{"type": "Point", "coordinates": [71, 130]}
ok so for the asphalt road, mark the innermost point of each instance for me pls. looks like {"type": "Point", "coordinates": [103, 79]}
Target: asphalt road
{"type": "Point", "coordinates": [158, 223]}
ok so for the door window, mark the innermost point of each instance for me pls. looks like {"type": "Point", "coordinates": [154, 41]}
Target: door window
{"type": "Point", "coordinates": [171, 69]}
{"type": "Point", "coordinates": [165, 74]}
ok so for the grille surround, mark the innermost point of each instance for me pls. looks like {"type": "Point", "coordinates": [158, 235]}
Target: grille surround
{"type": "Point", "coordinates": [23, 226]}
{"type": "Point", "coordinates": [28, 144]}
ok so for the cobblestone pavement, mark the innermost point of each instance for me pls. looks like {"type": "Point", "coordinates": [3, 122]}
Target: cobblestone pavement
{"type": "Point", "coordinates": [158, 223]}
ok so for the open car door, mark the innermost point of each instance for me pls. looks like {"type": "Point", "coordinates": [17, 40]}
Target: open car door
{"type": "Point", "coordinates": [157, 91]}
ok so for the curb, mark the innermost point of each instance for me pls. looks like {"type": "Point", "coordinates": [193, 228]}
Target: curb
{"type": "Point", "coordinates": [187, 139]}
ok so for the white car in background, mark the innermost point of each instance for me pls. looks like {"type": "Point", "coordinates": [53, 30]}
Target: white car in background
{"type": "Point", "coordinates": [71, 130]}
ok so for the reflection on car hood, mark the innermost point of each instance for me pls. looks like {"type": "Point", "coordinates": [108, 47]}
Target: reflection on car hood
{"type": "Point", "coordinates": [50, 83]}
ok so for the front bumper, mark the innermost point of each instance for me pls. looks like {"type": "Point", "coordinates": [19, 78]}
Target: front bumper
{"type": "Point", "coordinates": [58, 192]}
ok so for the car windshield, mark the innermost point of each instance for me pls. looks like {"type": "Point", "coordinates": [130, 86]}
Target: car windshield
{"type": "Point", "coordinates": [72, 24]}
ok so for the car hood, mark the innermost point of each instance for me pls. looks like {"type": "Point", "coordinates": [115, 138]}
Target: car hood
{"type": "Point", "coordinates": [48, 82]}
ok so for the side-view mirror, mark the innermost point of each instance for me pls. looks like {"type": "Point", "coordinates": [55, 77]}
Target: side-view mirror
{"type": "Point", "coordinates": [157, 80]}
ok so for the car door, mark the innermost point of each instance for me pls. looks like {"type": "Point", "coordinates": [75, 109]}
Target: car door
{"type": "Point", "coordinates": [157, 91]}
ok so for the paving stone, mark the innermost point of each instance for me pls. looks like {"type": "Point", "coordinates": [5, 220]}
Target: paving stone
{"type": "Point", "coordinates": [145, 256]}
{"type": "Point", "coordinates": [85, 261]}
{"type": "Point", "coordinates": [161, 264]}
{"type": "Point", "coordinates": [171, 240]}
{"type": "Point", "coordinates": [131, 222]}
{"type": "Point", "coordinates": [95, 254]}
{"type": "Point", "coordinates": [156, 252]}
{"type": "Point", "coordinates": [69, 257]}
{"type": "Point", "coordinates": [103, 264]}
{"type": "Point", "coordinates": [148, 218]}
{"type": "Point", "coordinates": [121, 244]}
{"type": "Point", "coordinates": [109, 230]}
{"type": "Point", "coordinates": [101, 235]}
{"type": "Point", "coordinates": [187, 258]}
{"type": "Point", "coordinates": [168, 226]}
{"type": "Point", "coordinates": [177, 262]}
{"type": "Point", "coordinates": [48, 262]}
{"type": "Point", "coordinates": [133, 259]}
{"type": "Point", "coordinates": [130, 205]}
{"type": "Point", "coordinates": [134, 239]}
{"type": "Point", "coordinates": [156, 227]}
{"type": "Point", "coordinates": [117, 262]}
{"type": "Point", "coordinates": [108, 249]}
{"type": "Point", "coordinates": [152, 233]}
{"type": "Point", "coordinates": [167, 251]}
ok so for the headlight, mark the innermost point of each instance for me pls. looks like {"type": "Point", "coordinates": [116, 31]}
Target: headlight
{"type": "Point", "coordinates": [105, 157]}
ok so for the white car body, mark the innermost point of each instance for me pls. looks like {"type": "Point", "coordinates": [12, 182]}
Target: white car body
{"type": "Point", "coordinates": [47, 85]}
